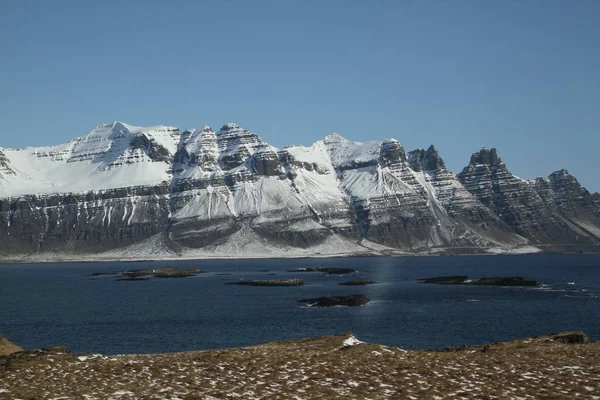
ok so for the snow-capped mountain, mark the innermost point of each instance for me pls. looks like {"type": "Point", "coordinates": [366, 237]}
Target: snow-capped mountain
{"type": "Point", "coordinates": [123, 191]}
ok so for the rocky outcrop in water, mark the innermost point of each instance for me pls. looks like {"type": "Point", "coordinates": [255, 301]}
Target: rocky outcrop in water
{"type": "Point", "coordinates": [351, 300]}
{"type": "Point", "coordinates": [358, 282]}
{"type": "Point", "coordinates": [496, 281]}
{"type": "Point", "coordinates": [145, 274]}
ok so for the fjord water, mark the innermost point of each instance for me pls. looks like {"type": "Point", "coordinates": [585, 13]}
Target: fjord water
{"type": "Point", "coordinates": [57, 304]}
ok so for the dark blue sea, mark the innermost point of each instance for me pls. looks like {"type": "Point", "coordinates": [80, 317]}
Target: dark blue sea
{"type": "Point", "coordinates": [57, 304]}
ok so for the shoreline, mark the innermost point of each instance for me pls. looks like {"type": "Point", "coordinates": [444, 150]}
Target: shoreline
{"type": "Point", "coordinates": [445, 252]}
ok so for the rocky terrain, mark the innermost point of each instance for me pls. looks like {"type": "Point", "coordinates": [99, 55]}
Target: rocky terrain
{"type": "Point", "coordinates": [563, 366]}
{"type": "Point", "coordinates": [128, 192]}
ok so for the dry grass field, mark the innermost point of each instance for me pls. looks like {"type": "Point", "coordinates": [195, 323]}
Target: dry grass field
{"type": "Point", "coordinates": [329, 367]}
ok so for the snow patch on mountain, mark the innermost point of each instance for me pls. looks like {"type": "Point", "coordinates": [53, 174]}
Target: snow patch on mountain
{"type": "Point", "coordinates": [102, 159]}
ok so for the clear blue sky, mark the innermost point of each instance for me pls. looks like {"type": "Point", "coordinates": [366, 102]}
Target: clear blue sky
{"type": "Point", "coordinates": [522, 76]}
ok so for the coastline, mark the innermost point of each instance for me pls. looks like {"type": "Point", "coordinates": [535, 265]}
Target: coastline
{"type": "Point", "coordinates": [552, 366]}
{"type": "Point", "coordinates": [44, 258]}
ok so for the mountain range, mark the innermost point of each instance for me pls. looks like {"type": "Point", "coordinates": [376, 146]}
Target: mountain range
{"type": "Point", "coordinates": [128, 192]}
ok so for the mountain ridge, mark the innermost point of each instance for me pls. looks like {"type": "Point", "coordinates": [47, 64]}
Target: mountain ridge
{"type": "Point", "coordinates": [229, 192]}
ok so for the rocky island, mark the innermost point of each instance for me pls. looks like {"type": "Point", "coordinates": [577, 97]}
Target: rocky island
{"type": "Point", "coordinates": [358, 282]}
{"type": "Point", "coordinates": [464, 280]}
{"type": "Point", "coordinates": [145, 274]}
{"type": "Point", "coordinates": [351, 300]}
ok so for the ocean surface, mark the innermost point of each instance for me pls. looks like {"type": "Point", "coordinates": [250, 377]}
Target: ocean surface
{"type": "Point", "coordinates": [57, 304]}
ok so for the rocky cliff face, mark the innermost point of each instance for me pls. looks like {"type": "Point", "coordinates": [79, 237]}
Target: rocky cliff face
{"type": "Point", "coordinates": [84, 222]}
{"type": "Point", "coordinates": [596, 200]}
{"type": "Point", "coordinates": [130, 190]}
{"type": "Point", "coordinates": [552, 210]}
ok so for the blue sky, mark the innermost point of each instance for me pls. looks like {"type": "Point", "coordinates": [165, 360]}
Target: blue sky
{"type": "Point", "coordinates": [522, 76]}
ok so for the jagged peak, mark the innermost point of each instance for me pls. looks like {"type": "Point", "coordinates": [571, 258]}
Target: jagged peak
{"type": "Point", "coordinates": [206, 129]}
{"type": "Point", "coordinates": [426, 160]}
{"type": "Point", "coordinates": [486, 156]}
{"type": "Point", "coordinates": [432, 149]}
{"type": "Point", "coordinates": [230, 127]}
{"type": "Point", "coordinates": [561, 172]}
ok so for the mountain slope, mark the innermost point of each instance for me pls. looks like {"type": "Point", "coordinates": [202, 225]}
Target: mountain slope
{"type": "Point", "coordinates": [125, 191]}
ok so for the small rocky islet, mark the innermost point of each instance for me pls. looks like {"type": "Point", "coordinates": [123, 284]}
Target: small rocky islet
{"type": "Point", "coordinates": [350, 300]}
{"type": "Point", "coordinates": [494, 281]}
{"type": "Point", "coordinates": [147, 273]}
{"type": "Point", "coordinates": [358, 282]}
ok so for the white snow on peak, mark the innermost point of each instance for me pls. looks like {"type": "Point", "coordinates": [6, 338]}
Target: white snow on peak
{"type": "Point", "coordinates": [334, 138]}
{"type": "Point", "coordinates": [102, 159]}
{"type": "Point", "coordinates": [345, 152]}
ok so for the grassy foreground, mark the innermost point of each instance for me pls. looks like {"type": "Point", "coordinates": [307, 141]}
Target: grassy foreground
{"type": "Point", "coordinates": [562, 366]}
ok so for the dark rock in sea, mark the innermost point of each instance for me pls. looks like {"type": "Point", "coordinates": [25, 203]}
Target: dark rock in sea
{"type": "Point", "coordinates": [504, 281]}
{"type": "Point", "coordinates": [224, 274]}
{"type": "Point", "coordinates": [134, 278]}
{"type": "Point", "coordinates": [148, 272]}
{"type": "Point", "coordinates": [496, 281]}
{"type": "Point", "coordinates": [105, 273]}
{"type": "Point", "coordinates": [358, 282]}
{"type": "Point", "coordinates": [177, 274]}
{"type": "Point", "coordinates": [571, 338]}
{"type": "Point", "coordinates": [328, 271]}
{"type": "Point", "coordinates": [446, 280]}
{"type": "Point", "coordinates": [351, 300]}
{"type": "Point", "coordinates": [164, 272]}
{"type": "Point", "coordinates": [270, 282]}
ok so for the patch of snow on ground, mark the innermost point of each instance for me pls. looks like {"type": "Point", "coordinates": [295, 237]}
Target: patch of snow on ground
{"type": "Point", "coordinates": [351, 341]}
{"type": "Point", "coordinates": [514, 250]}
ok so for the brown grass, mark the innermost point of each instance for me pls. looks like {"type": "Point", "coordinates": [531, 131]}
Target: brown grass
{"type": "Point", "coordinates": [316, 368]}
{"type": "Point", "coordinates": [7, 347]}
